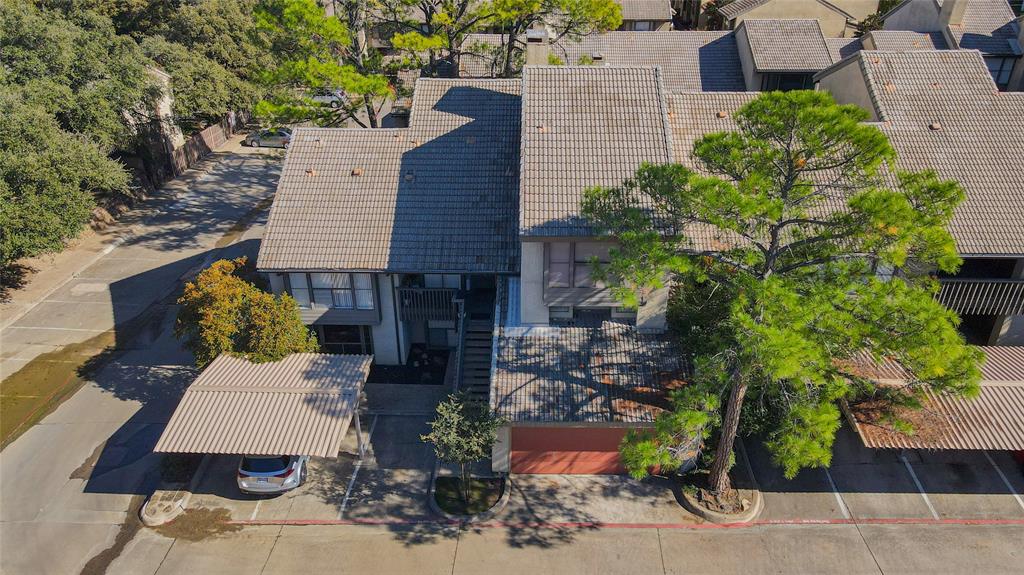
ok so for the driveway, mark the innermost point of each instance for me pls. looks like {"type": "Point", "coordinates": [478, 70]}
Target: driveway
{"type": "Point", "coordinates": [70, 478]}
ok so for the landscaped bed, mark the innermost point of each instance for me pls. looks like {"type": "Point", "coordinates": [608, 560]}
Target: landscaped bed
{"type": "Point", "coordinates": [483, 495]}
{"type": "Point", "coordinates": [424, 367]}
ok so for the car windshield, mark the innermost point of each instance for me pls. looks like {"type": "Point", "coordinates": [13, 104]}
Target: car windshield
{"type": "Point", "coordinates": [265, 464]}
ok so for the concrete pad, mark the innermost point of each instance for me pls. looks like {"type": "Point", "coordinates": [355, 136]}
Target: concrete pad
{"type": "Point", "coordinates": [362, 550]}
{"type": "Point", "coordinates": [92, 317]}
{"type": "Point", "coordinates": [389, 493]}
{"type": "Point", "coordinates": [322, 495]}
{"type": "Point", "coordinates": [497, 551]}
{"type": "Point", "coordinates": [809, 495]}
{"type": "Point", "coordinates": [218, 488]}
{"type": "Point", "coordinates": [50, 548]}
{"type": "Point", "coordinates": [818, 550]}
{"type": "Point", "coordinates": [879, 490]}
{"type": "Point", "coordinates": [396, 442]}
{"type": "Point", "coordinates": [241, 553]}
{"type": "Point", "coordinates": [991, 550]}
{"type": "Point", "coordinates": [592, 498]}
{"type": "Point", "coordinates": [964, 484]}
{"type": "Point", "coordinates": [143, 554]}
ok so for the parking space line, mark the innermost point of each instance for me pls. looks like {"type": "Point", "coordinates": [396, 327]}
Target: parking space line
{"type": "Point", "coordinates": [1006, 481]}
{"type": "Point", "coordinates": [255, 510]}
{"type": "Point", "coordinates": [37, 327]}
{"type": "Point", "coordinates": [835, 491]}
{"type": "Point", "coordinates": [920, 487]}
{"type": "Point", "coordinates": [355, 471]}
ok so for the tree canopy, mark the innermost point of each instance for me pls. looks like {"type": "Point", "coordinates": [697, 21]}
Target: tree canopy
{"type": "Point", "coordinates": [462, 432]}
{"type": "Point", "coordinates": [222, 312]}
{"type": "Point", "coordinates": [804, 254]}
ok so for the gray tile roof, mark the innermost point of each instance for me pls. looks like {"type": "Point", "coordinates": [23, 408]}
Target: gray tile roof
{"type": "Point", "coordinates": [689, 60]}
{"type": "Point", "coordinates": [693, 115]}
{"type": "Point", "coordinates": [839, 48]}
{"type": "Point", "coordinates": [903, 40]}
{"type": "Point", "coordinates": [441, 195]}
{"type": "Point", "coordinates": [583, 127]}
{"type": "Point", "coordinates": [978, 140]}
{"type": "Point", "coordinates": [609, 374]}
{"type": "Point", "coordinates": [740, 7]}
{"type": "Point", "coordinates": [653, 10]}
{"type": "Point", "coordinates": [988, 25]}
{"type": "Point", "coordinates": [787, 45]}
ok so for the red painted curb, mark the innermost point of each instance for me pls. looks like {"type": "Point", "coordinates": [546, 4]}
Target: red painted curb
{"type": "Point", "coordinates": [599, 525]}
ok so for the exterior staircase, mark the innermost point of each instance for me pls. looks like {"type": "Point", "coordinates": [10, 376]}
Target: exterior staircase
{"type": "Point", "coordinates": [477, 343]}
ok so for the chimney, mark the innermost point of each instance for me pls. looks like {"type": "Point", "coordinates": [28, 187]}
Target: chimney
{"type": "Point", "coordinates": [952, 12]}
{"type": "Point", "coordinates": [537, 46]}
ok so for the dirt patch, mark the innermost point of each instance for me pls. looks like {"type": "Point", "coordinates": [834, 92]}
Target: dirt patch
{"type": "Point", "coordinates": [198, 524]}
{"type": "Point", "coordinates": [483, 494]}
{"type": "Point", "coordinates": [13, 277]}
{"type": "Point", "coordinates": [730, 501]}
{"type": "Point", "coordinates": [888, 422]}
{"type": "Point", "coordinates": [99, 564]}
{"type": "Point", "coordinates": [243, 223]}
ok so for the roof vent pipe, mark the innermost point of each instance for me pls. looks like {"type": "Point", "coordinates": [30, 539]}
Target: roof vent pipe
{"type": "Point", "coordinates": [538, 46]}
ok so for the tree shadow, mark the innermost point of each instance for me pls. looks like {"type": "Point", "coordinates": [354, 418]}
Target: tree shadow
{"type": "Point", "coordinates": [13, 277]}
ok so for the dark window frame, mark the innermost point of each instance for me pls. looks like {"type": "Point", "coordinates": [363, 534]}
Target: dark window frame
{"type": "Point", "coordinates": [315, 304]}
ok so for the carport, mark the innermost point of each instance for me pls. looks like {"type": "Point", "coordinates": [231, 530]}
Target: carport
{"type": "Point", "coordinates": [300, 405]}
{"type": "Point", "coordinates": [993, 421]}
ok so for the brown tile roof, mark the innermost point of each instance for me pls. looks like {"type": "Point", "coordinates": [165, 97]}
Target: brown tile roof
{"type": "Point", "coordinates": [839, 48]}
{"type": "Point", "coordinates": [652, 10]}
{"type": "Point", "coordinates": [608, 374]}
{"type": "Point", "coordinates": [993, 420]}
{"type": "Point", "coordinates": [300, 405]}
{"type": "Point", "coordinates": [696, 114]}
{"type": "Point", "coordinates": [584, 127]}
{"type": "Point", "coordinates": [738, 8]}
{"type": "Point", "coordinates": [942, 111]}
{"type": "Point", "coordinates": [441, 195]}
{"type": "Point", "coordinates": [902, 40]}
{"type": "Point", "coordinates": [787, 45]}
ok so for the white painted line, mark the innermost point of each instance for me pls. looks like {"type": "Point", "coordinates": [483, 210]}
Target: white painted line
{"type": "Point", "coordinates": [355, 472]}
{"type": "Point", "coordinates": [1006, 481]}
{"type": "Point", "coordinates": [57, 328]}
{"type": "Point", "coordinates": [920, 487]}
{"type": "Point", "coordinates": [255, 510]}
{"type": "Point", "coordinates": [839, 498]}
{"type": "Point", "coordinates": [93, 303]}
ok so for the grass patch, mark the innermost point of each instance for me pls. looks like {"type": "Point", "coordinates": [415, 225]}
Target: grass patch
{"type": "Point", "coordinates": [198, 524]}
{"type": "Point", "coordinates": [483, 494]}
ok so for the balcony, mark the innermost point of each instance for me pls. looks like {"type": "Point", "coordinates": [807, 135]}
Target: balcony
{"type": "Point", "coordinates": [427, 304]}
{"type": "Point", "coordinates": [983, 296]}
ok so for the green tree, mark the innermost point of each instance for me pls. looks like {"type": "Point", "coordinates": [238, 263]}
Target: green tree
{"type": "Point", "coordinates": [463, 432]}
{"type": "Point", "coordinates": [222, 312]}
{"type": "Point", "coordinates": [49, 179]}
{"type": "Point", "coordinates": [874, 21]}
{"type": "Point", "coordinates": [437, 28]}
{"type": "Point", "coordinates": [315, 52]}
{"type": "Point", "coordinates": [712, 14]}
{"type": "Point", "coordinates": [789, 230]}
{"type": "Point", "coordinates": [571, 19]}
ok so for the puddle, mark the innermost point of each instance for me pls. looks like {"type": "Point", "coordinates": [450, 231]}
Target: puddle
{"type": "Point", "coordinates": [198, 524]}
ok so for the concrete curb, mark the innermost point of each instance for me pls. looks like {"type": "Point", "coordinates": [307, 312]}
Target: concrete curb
{"type": "Point", "coordinates": [693, 506]}
{"type": "Point", "coordinates": [498, 507]}
{"type": "Point", "coordinates": [171, 499]}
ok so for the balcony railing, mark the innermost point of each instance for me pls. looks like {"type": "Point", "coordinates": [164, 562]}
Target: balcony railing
{"type": "Point", "coordinates": [427, 304]}
{"type": "Point", "coordinates": [983, 296]}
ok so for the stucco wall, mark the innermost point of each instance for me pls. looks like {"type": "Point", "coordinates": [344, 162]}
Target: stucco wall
{"type": "Point", "coordinates": [751, 78]}
{"type": "Point", "coordinates": [388, 347]}
{"type": "Point", "coordinates": [833, 23]}
{"type": "Point", "coordinates": [917, 15]}
{"type": "Point", "coordinates": [846, 84]}
{"type": "Point", "coordinates": [532, 309]}
{"type": "Point", "coordinates": [566, 449]}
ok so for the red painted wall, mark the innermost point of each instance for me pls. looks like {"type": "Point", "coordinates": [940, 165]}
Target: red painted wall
{"type": "Point", "coordinates": [573, 450]}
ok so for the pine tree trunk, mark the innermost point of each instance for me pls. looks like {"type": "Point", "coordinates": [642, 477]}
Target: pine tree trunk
{"type": "Point", "coordinates": [465, 482]}
{"type": "Point", "coordinates": [718, 480]}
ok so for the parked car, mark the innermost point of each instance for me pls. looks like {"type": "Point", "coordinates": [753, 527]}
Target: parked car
{"type": "Point", "coordinates": [258, 474]}
{"type": "Point", "coordinates": [272, 138]}
{"type": "Point", "coordinates": [332, 98]}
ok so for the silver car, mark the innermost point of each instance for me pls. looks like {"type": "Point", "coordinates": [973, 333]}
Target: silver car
{"type": "Point", "coordinates": [260, 474]}
{"type": "Point", "coordinates": [273, 138]}
{"type": "Point", "coordinates": [331, 98]}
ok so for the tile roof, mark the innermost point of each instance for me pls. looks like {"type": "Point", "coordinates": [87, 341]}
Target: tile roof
{"type": "Point", "coordinates": [689, 60]}
{"type": "Point", "coordinates": [839, 48]}
{"type": "Point", "coordinates": [441, 195]}
{"type": "Point", "coordinates": [993, 420]}
{"type": "Point", "coordinates": [787, 45]}
{"type": "Point", "coordinates": [902, 40]}
{"type": "Point", "coordinates": [740, 7]}
{"type": "Point", "coordinates": [611, 373]}
{"type": "Point", "coordinates": [988, 25]}
{"type": "Point", "coordinates": [653, 10]}
{"type": "Point", "coordinates": [583, 127]}
{"type": "Point", "coordinates": [238, 407]}
{"type": "Point", "coordinates": [696, 114]}
{"type": "Point", "coordinates": [978, 140]}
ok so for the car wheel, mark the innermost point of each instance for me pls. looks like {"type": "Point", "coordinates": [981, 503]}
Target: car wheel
{"type": "Point", "coordinates": [335, 104]}
{"type": "Point", "coordinates": [302, 474]}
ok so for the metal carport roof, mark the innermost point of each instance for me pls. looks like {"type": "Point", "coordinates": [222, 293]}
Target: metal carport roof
{"type": "Point", "coordinates": [300, 405]}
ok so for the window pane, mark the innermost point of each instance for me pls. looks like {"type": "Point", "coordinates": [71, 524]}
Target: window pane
{"type": "Point", "coordinates": [587, 250]}
{"type": "Point", "coordinates": [301, 296]}
{"type": "Point", "coordinates": [343, 298]}
{"type": "Point", "coordinates": [322, 298]}
{"type": "Point", "coordinates": [581, 276]}
{"type": "Point", "coordinates": [341, 334]}
{"type": "Point", "coordinates": [362, 281]}
{"type": "Point", "coordinates": [328, 281]}
{"type": "Point", "coordinates": [297, 281]}
{"type": "Point", "coordinates": [558, 275]}
{"type": "Point", "coordinates": [452, 281]}
{"type": "Point", "coordinates": [364, 299]}
{"type": "Point", "coordinates": [558, 252]}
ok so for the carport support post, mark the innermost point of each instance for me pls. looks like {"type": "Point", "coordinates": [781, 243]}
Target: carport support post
{"type": "Point", "coordinates": [359, 438]}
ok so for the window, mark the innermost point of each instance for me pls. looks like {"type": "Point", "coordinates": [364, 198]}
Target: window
{"type": "Point", "coordinates": [571, 264]}
{"type": "Point", "coordinates": [786, 82]}
{"type": "Point", "coordinates": [350, 339]}
{"type": "Point", "coordinates": [1000, 68]}
{"type": "Point", "coordinates": [643, 26]}
{"type": "Point", "coordinates": [321, 290]}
